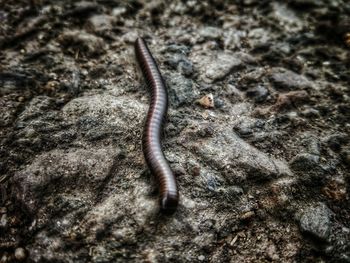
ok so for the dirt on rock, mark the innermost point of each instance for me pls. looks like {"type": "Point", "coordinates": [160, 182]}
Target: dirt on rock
{"type": "Point", "coordinates": [263, 171]}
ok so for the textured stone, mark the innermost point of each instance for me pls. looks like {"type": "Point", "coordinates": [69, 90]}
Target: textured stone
{"type": "Point", "coordinates": [259, 93]}
{"type": "Point", "coordinates": [181, 90]}
{"type": "Point", "coordinates": [316, 221]}
{"type": "Point", "coordinates": [306, 162]}
{"type": "Point", "coordinates": [221, 66]}
{"type": "Point", "coordinates": [60, 170]}
{"type": "Point", "coordinates": [287, 80]}
{"type": "Point", "coordinates": [227, 151]}
{"type": "Point", "coordinates": [181, 63]}
{"type": "Point", "coordinates": [101, 23]}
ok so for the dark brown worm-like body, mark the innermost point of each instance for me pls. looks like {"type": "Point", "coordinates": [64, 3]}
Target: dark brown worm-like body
{"type": "Point", "coordinates": [151, 141]}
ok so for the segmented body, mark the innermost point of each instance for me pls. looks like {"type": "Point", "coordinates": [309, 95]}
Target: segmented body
{"type": "Point", "coordinates": [151, 142]}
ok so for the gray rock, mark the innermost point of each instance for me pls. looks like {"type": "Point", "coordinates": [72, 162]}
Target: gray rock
{"type": "Point", "coordinates": [60, 170]}
{"type": "Point", "coordinates": [259, 93]}
{"type": "Point", "coordinates": [211, 183]}
{"type": "Point", "coordinates": [181, 63]}
{"type": "Point", "coordinates": [244, 129]}
{"type": "Point", "coordinates": [101, 23]}
{"type": "Point", "coordinates": [316, 221]}
{"type": "Point", "coordinates": [210, 32]}
{"type": "Point", "coordinates": [287, 80]}
{"type": "Point", "coordinates": [229, 153]}
{"type": "Point", "coordinates": [185, 67]}
{"type": "Point", "coordinates": [246, 126]}
{"type": "Point", "coordinates": [101, 109]}
{"type": "Point", "coordinates": [219, 103]}
{"type": "Point", "coordinates": [20, 254]}
{"type": "Point", "coordinates": [221, 66]}
{"type": "Point", "coordinates": [181, 90]}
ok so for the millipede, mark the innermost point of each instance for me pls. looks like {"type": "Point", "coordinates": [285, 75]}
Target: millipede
{"type": "Point", "coordinates": [151, 139]}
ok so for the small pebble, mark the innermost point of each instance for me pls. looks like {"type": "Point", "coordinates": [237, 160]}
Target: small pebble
{"type": "Point", "coordinates": [100, 23]}
{"type": "Point", "coordinates": [259, 94]}
{"type": "Point", "coordinates": [118, 11]}
{"type": "Point", "coordinates": [3, 220]}
{"type": "Point", "coordinates": [219, 103]}
{"type": "Point", "coordinates": [201, 258]}
{"type": "Point", "coordinates": [20, 254]}
{"type": "Point", "coordinates": [207, 101]}
{"type": "Point", "coordinates": [247, 215]}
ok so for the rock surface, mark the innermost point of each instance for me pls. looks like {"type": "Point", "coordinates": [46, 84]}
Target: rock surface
{"type": "Point", "coordinates": [316, 221]}
{"type": "Point", "coordinates": [262, 163]}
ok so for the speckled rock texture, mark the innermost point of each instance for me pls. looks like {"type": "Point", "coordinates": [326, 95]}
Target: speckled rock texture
{"type": "Point", "coordinates": [262, 168]}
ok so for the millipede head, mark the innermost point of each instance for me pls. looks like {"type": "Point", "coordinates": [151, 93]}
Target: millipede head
{"type": "Point", "coordinates": [168, 204]}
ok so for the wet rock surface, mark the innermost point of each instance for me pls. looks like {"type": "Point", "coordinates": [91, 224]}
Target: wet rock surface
{"type": "Point", "coordinates": [257, 131]}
